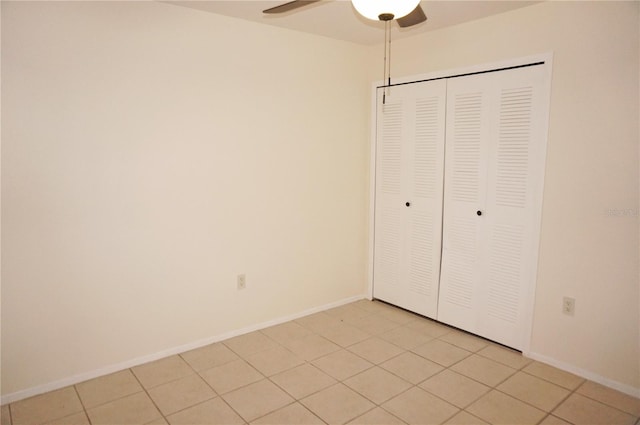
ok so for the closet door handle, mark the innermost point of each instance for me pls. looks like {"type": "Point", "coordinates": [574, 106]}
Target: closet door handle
{"type": "Point", "coordinates": [479, 212]}
{"type": "Point", "coordinates": [408, 204]}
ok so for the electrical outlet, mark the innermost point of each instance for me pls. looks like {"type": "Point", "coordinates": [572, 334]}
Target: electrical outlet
{"type": "Point", "coordinates": [568, 306]}
{"type": "Point", "coordinates": [242, 281]}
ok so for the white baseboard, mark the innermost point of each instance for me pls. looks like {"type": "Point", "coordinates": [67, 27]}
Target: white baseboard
{"type": "Point", "coordinates": [72, 380]}
{"type": "Point", "coordinates": [624, 388]}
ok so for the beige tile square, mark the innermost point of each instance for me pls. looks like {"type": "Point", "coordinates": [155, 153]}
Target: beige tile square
{"type": "Point", "coordinates": [441, 352]}
{"type": "Point", "coordinates": [108, 388]}
{"type": "Point", "coordinates": [251, 343]}
{"type": "Point", "coordinates": [257, 399]}
{"type": "Point", "coordinates": [230, 376]}
{"type": "Point", "coordinates": [46, 407]}
{"type": "Point", "coordinates": [578, 409]}
{"type": "Point", "coordinates": [180, 394]}
{"type": "Point", "coordinates": [162, 371]}
{"type": "Point", "coordinates": [373, 324]}
{"type": "Point", "coordinates": [417, 406]}
{"type": "Point", "coordinates": [484, 370]}
{"type": "Point", "coordinates": [293, 414]}
{"type": "Point", "coordinates": [337, 404]}
{"type": "Point", "coordinates": [343, 334]}
{"type": "Point", "coordinates": [341, 364]}
{"type": "Point", "coordinates": [405, 337]}
{"type": "Point", "coordinates": [159, 421]}
{"type": "Point", "coordinates": [554, 375]}
{"type": "Point", "coordinates": [506, 356]}
{"type": "Point", "coordinates": [376, 350]}
{"type": "Point", "coordinates": [464, 418]}
{"type": "Point", "coordinates": [377, 384]}
{"type": "Point", "coordinates": [498, 408]}
{"type": "Point", "coordinates": [535, 391]}
{"type": "Point", "coordinates": [274, 360]}
{"type": "Point", "coordinates": [303, 380]}
{"type": "Point", "coordinates": [552, 420]}
{"type": "Point", "coordinates": [370, 306]}
{"type": "Point", "coordinates": [411, 367]}
{"type": "Point", "coordinates": [377, 416]}
{"type": "Point", "coordinates": [611, 397]}
{"type": "Point", "coordinates": [429, 327]}
{"type": "Point", "coordinates": [455, 388]}
{"type": "Point", "coordinates": [209, 356]}
{"type": "Point", "coordinates": [318, 322]}
{"type": "Point", "coordinates": [347, 311]}
{"type": "Point", "coordinates": [134, 409]}
{"type": "Point", "coordinates": [214, 411]}
{"type": "Point", "coordinates": [399, 315]}
{"type": "Point", "coordinates": [5, 417]}
{"type": "Point", "coordinates": [286, 332]}
{"type": "Point", "coordinates": [75, 419]}
{"type": "Point", "coordinates": [465, 341]}
{"type": "Point", "coordinates": [312, 347]}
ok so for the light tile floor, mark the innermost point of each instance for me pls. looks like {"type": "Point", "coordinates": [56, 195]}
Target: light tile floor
{"type": "Point", "coordinates": [362, 363]}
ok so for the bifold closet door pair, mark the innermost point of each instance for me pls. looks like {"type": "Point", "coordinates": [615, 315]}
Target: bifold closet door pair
{"type": "Point", "coordinates": [458, 192]}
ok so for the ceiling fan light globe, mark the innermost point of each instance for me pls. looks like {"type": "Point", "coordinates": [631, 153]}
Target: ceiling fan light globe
{"type": "Point", "coordinates": [372, 9]}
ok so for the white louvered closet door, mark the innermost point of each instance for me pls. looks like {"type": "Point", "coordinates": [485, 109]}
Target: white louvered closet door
{"type": "Point", "coordinates": [494, 168]}
{"type": "Point", "coordinates": [408, 203]}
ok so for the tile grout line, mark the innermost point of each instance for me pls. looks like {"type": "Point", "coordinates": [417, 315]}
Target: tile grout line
{"type": "Point", "coordinates": [144, 389]}
{"type": "Point", "coordinates": [219, 395]}
{"type": "Point", "coordinates": [584, 382]}
{"type": "Point", "coordinates": [84, 408]}
{"type": "Point", "coordinates": [295, 401]}
{"type": "Point", "coordinates": [471, 414]}
{"type": "Point", "coordinates": [575, 392]}
{"type": "Point", "coordinates": [111, 401]}
{"type": "Point", "coordinates": [571, 392]}
{"type": "Point", "coordinates": [549, 381]}
{"type": "Point", "coordinates": [229, 406]}
{"type": "Point", "coordinates": [385, 410]}
{"type": "Point", "coordinates": [375, 406]}
{"type": "Point", "coordinates": [195, 372]}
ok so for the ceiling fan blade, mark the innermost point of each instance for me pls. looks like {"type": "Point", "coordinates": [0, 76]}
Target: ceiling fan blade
{"type": "Point", "coordinates": [289, 6]}
{"type": "Point", "coordinates": [414, 18]}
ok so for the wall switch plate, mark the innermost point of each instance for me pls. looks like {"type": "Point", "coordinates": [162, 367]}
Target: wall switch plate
{"type": "Point", "coordinates": [242, 281]}
{"type": "Point", "coordinates": [568, 306]}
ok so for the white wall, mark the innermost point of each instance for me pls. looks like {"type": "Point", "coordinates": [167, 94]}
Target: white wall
{"type": "Point", "coordinates": [589, 241]}
{"type": "Point", "coordinates": [150, 153]}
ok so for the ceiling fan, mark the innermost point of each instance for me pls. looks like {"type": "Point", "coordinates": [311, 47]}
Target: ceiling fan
{"type": "Point", "coordinates": [407, 13]}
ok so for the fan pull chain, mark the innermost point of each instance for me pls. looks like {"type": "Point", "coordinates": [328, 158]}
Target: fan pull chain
{"type": "Point", "coordinates": [389, 66]}
{"type": "Point", "coordinates": [384, 69]}
{"type": "Point", "coordinates": [386, 78]}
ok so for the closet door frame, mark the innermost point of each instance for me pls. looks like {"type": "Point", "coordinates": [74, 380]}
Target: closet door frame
{"type": "Point", "coordinates": [545, 60]}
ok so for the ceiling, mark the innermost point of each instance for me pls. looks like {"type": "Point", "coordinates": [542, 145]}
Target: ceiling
{"type": "Point", "coordinates": [337, 18]}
